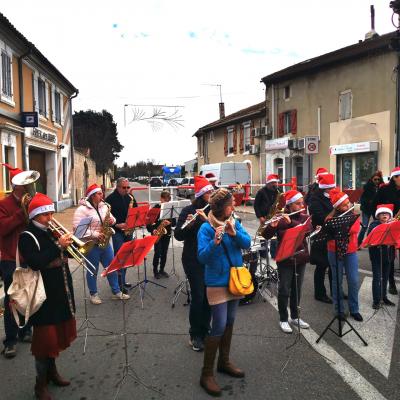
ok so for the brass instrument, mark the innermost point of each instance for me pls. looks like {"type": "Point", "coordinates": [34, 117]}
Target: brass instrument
{"type": "Point", "coordinates": [273, 211]}
{"type": "Point", "coordinates": [78, 249]}
{"type": "Point", "coordinates": [106, 229]}
{"type": "Point", "coordinates": [161, 230]}
{"type": "Point", "coordinates": [129, 232]}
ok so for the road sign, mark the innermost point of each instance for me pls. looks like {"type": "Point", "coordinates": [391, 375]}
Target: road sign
{"type": "Point", "coordinates": [311, 145]}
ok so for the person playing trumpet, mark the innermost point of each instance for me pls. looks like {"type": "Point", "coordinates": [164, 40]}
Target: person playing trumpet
{"type": "Point", "coordinates": [288, 286]}
{"type": "Point", "coordinates": [12, 223]}
{"type": "Point", "coordinates": [54, 325]}
{"type": "Point", "coordinates": [94, 207]}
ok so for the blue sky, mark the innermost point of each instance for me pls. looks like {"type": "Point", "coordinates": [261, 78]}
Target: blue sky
{"type": "Point", "coordinates": [173, 52]}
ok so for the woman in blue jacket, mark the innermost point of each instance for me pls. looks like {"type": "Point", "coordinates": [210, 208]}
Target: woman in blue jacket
{"type": "Point", "coordinates": [222, 234]}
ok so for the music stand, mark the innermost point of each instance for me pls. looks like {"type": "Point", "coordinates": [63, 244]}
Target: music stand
{"type": "Point", "coordinates": [387, 234]}
{"type": "Point", "coordinates": [131, 254]}
{"type": "Point", "coordinates": [331, 230]}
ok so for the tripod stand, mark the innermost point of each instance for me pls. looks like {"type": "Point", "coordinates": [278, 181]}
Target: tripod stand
{"type": "Point", "coordinates": [184, 288]}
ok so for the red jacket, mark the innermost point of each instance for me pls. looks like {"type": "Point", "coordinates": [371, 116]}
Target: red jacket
{"type": "Point", "coordinates": [353, 239]}
{"type": "Point", "coordinates": [12, 223]}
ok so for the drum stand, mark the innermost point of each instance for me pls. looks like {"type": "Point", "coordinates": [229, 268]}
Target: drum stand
{"type": "Point", "coordinates": [87, 323]}
{"type": "Point", "coordinates": [268, 275]}
{"type": "Point", "coordinates": [173, 270]}
{"type": "Point", "coordinates": [183, 287]}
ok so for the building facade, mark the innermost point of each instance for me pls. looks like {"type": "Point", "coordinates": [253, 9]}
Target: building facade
{"type": "Point", "coordinates": [30, 84]}
{"type": "Point", "coordinates": [237, 137]}
{"type": "Point", "coordinates": [344, 104]}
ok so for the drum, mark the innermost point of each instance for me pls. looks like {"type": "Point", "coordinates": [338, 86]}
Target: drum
{"type": "Point", "coordinates": [250, 255]}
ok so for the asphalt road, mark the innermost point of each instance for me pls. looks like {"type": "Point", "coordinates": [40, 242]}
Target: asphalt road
{"type": "Point", "coordinates": [158, 350]}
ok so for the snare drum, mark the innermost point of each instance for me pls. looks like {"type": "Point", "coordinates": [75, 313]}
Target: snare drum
{"type": "Point", "coordinates": [250, 255]}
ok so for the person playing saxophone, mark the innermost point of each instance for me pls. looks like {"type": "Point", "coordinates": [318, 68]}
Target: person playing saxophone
{"type": "Point", "coordinates": [94, 207]}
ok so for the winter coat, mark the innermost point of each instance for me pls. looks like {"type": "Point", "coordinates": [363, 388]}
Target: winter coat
{"type": "Point", "coordinates": [120, 206]}
{"type": "Point", "coordinates": [217, 266]}
{"type": "Point", "coordinates": [55, 308]}
{"type": "Point", "coordinates": [86, 210]}
{"type": "Point", "coordinates": [388, 252]}
{"type": "Point", "coordinates": [264, 200]}
{"type": "Point", "coordinates": [280, 229]}
{"type": "Point", "coordinates": [367, 198]}
{"type": "Point", "coordinates": [150, 227]}
{"type": "Point", "coordinates": [387, 194]}
{"type": "Point", "coordinates": [312, 189]}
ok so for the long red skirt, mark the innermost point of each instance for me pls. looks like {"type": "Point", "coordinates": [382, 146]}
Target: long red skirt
{"type": "Point", "coordinates": [49, 340]}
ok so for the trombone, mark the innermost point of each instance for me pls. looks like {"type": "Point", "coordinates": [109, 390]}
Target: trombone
{"type": "Point", "coordinates": [77, 249]}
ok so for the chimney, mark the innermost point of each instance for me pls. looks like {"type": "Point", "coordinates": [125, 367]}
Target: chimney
{"type": "Point", "coordinates": [372, 33]}
{"type": "Point", "coordinates": [221, 110]}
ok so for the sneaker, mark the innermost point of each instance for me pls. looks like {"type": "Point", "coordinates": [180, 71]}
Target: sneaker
{"type": "Point", "coordinates": [388, 302]}
{"type": "Point", "coordinates": [324, 299]}
{"type": "Point", "coordinates": [196, 343]}
{"type": "Point", "coordinates": [157, 275]}
{"type": "Point", "coordinates": [95, 299]}
{"type": "Point", "coordinates": [285, 327]}
{"type": "Point", "coordinates": [357, 316]}
{"type": "Point", "coordinates": [128, 285]}
{"type": "Point", "coordinates": [392, 289]}
{"type": "Point", "coordinates": [303, 324]}
{"type": "Point", "coordinates": [10, 351]}
{"type": "Point", "coordinates": [163, 274]}
{"type": "Point", "coordinates": [375, 306]}
{"type": "Point", "coordinates": [120, 296]}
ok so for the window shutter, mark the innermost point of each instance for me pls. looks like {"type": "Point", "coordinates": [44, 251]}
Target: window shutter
{"type": "Point", "coordinates": [241, 139]}
{"type": "Point", "coordinates": [225, 142]}
{"type": "Point", "coordinates": [252, 132]}
{"type": "Point", "coordinates": [293, 122]}
{"type": "Point", "coordinates": [62, 108]}
{"type": "Point", "coordinates": [234, 140]}
{"type": "Point", "coordinates": [53, 103]}
{"type": "Point", "coordinates": [281, 121]}
{"type": "Point", "coordinates": [35, 77]}
{"type": "Point", "coordinates": [47, 99]}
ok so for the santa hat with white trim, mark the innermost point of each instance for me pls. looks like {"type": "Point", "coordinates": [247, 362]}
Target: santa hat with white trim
{"type": "Point", "coordinates": [201, 186]}
{"type": "Point", "coordinates": [326, 181]}
{"type": "Point", "coordinates": [395, 172]}
{"type": "Point", "coordinates": [291, 196]}
{"type": "Point", "coordinates": [40, 204]}
{"type": "Point", "coordinates": [337, 197]}
{"type": "Point", "coordinates": [12, 171]}
{"type": "Point", "coordinates": [321, 171]}
{"type": "Point", "coordinates": [384, 208]}
{"type": "Point", "coordinates": [92, 189]}
{"type": "Point", "coordinates": [272, 178]}
{"type": "Point", "coordinates": [211, 177]}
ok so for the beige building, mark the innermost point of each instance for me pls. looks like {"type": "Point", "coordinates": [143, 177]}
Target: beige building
{"type": "Point", "coordinates": [341, 108]}
{"type": "Point", "coordinates": [237, 137]}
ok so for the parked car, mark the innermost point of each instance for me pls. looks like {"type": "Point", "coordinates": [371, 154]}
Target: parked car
{"type": "Point", "coordinates": [155, 182]}
{"type": "Point", "coordinates": [172, 182]}
{"type": "Point", "coordinates": [186, 192]}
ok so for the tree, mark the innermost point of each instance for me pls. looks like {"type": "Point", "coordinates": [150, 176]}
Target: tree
{"type": "Point", "coordinates": [98, 132]}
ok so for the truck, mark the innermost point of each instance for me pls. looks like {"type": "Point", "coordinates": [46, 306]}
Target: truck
{"type": "Point", "coordinates": [228, 173]}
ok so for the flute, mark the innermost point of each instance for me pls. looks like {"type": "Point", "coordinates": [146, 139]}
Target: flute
{"type": "Point", "coordinates": [279, 217]}
{"type": "Point", "coordinates": [219, 236]}
{"type": "Point", "coordinates": [350, 209]}
{"type": "Point", "coordinates": [187, 222]}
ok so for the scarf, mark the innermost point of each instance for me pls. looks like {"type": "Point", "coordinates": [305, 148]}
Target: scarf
{"type": "Point", "coordinates": [215, 223]}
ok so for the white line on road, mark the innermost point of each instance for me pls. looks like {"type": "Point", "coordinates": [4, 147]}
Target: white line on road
{"type": "Point", "coordinates": [350, 375]}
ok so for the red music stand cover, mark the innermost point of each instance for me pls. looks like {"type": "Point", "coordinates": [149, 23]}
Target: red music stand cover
{"type": "Point", "coordinates": [291, 240]}
{"type": "Point", "coordinates": [383, 235]}
{"type": "Point", "coordinates": [152, 215]}
{"type": "Point", "coordinates": [131, 254]}
{"type": "Point", "coordinates": [136, 217]}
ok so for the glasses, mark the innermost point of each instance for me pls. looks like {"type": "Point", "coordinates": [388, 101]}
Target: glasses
{"type": "Point", "coordinates": [376, 179]}
{"type": "Point", "coordinates": [125, 187]}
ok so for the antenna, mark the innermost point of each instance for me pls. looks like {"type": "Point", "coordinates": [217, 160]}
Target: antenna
{"type": "Point", "coordinates": [215, 84]}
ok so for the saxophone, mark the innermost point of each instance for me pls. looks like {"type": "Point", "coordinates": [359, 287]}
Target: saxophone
{"type": "Point", "coordinates": [161, 230]}
{"type": "Point", "coordinates": [129, 232]}
{"type": "Point", "coordinates": [272, 213]}
{"type": "Point", "coordinates": [106, 229]}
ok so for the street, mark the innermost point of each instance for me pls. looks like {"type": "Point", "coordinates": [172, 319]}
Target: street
{"type": "Point", "coordinates": [159, 353]}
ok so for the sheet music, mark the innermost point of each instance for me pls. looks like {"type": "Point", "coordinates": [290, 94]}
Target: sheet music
{"type": "Point", "coordinates": [82, 227]}
{"type": "Point", "coordinates": [172, 209]}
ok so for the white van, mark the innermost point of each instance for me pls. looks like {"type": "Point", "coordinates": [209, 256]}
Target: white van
{"type": "Point", "coordinates": [228, 173]}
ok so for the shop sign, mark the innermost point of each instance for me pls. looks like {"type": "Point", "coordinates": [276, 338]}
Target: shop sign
{"type": "Point", "coordinates": [361, 147]}
{"type": "Point", "coordinates": [276, 144]}
{"type": "Point", "coordinates": [48, 137]}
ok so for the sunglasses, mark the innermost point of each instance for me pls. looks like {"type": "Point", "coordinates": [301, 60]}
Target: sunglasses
{"type": "Point", "coordinates": [125, 187]}
{"type": "Point", "coordinates": [376, 179]}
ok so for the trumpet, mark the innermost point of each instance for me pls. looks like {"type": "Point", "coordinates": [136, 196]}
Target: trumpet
{"type": "Point", "coordinates": [77, 249]}
{"type": "Point", "coordinates": [187, 222]}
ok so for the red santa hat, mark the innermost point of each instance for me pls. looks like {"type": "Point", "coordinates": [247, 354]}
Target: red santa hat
{"type": "Point", "coordinates": [13, 171]}
{"type": "Point", "coordinates": [321, 171]}
{"type": "Point", "coordinates": [92, 189]}
{"type": "Point", "coordinates": [201, 186]}
{"type": "Point", "coordinates": [272, 178]}
{"type": "Point", "coordinates": [337, 197]}
{"type": "Point", "coordinates": [291, 196]}
{"type": "Point", "coordinates": [395, 172]}
{"type": "Point", "coordinates": [40, 204]}
{"type": "Point", "coordinates": [326, 181]}
{"type": "Point", "coordinates": [211, 177]}
{"type": "Point", "coordinates": [384, 208]}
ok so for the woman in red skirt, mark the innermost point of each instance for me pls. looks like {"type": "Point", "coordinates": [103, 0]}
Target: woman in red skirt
{"type": "Point", "coordinates": [54, 325]}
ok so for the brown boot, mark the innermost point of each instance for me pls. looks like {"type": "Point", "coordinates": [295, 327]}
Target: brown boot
{"type": "Point", "coordinates": [207, 380]}
{"type": "Point", "coordinates": [41, 391]}
{"type": "Point", "coordinates": [224, 365]}
{"type": "Point", "coordinates": [54, 376]}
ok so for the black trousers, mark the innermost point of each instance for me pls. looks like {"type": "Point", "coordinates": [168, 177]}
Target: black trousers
{"type": "Point", "coordinates": [160, 253]}
{"type": "Point", "coordinates": [319, 280]}
{"type": "Point", "coordinates": [287, 288]}
{"type": "Point", "coordinates": [199, 311]}
{"type": "Point", "coordinates": [392, 281]}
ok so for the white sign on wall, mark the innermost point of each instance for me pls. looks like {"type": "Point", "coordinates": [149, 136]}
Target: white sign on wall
{"type": "Point", "coordinates": [361, 147]}
{"type": "Point", "coordinates": [311, 145]}
{"type": "Point", "coordinates": [276, 144]}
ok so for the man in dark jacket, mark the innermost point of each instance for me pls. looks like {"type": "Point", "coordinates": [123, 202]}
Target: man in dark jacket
{"type": "Point", "coordinates": [319, 207]}
{"type": "Point", "coordinates": [199, 312]}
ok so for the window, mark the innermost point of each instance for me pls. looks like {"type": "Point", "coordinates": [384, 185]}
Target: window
{"type": "Point", "coordinates": [211, 136]}
{"type": "Point", "coordinates": [42, 97]}
{"type": "Point", "coordinates": [345, 105]}
{"type": "Point", "coordinates": [57, 107]}
{"type": "Point", "coordinates": [246, 137]}
{"type": "Point", "coordinates": [287, 123]}
{"type": "Point", "coordinates": [6, 79]}
{"type": "Point", "coordinates": [286, 92]}
{"type": "Point", "coordinates": [9, 158]}
{"type": "Point", "coordinates": [230, 141]}
{"type": "Point", "coordinates": [64, 175]}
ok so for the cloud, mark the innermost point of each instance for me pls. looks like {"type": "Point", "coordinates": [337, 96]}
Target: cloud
{"type": "Point", "coordinates": [192, 35]}
{"type": "Point", "coordinates": [253, 51]}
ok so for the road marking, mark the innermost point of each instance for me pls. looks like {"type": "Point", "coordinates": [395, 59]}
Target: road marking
{"type": "Point", "coordinates": [350, 375]}
{"type": "Point", "coordinates": [378, 332]}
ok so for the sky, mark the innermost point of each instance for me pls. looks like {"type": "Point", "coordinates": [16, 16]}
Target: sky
{"type": "Point", "coordinates": [134, 57]}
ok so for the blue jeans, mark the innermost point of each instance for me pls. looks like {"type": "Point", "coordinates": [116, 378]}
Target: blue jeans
{"type": "Point", "coordinates": [104, 256]}
{"type": "Point", "coordinates": [11, 329]}
{"type": "Point", "coordinates": [118, 240]}
{"type": "Point", "coordinates": [350, 265]}
{"type": "Point", "coordinates": [223, 315]}
{"type": "Point", "coordinates": [364, 226]}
